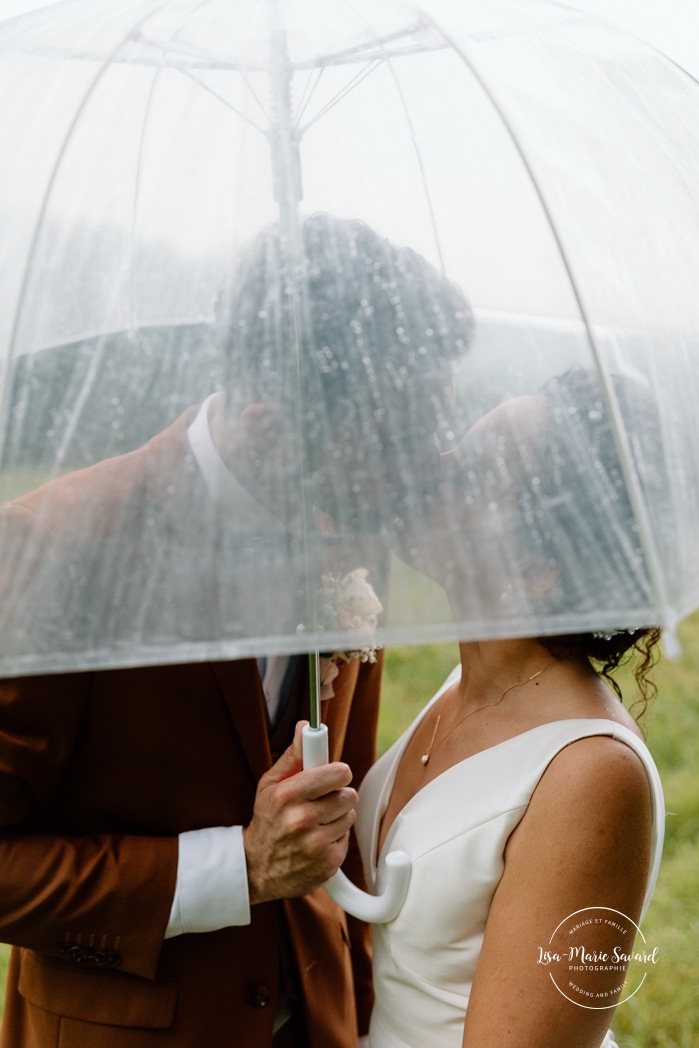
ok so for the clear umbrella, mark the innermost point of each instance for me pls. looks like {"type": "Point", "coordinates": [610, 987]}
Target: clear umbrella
{"type": "Point", "coordinates": [326, 211]}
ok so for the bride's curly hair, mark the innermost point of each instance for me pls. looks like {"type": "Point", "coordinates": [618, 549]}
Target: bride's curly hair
{"type": "Point", "coordinates": [607, 653]}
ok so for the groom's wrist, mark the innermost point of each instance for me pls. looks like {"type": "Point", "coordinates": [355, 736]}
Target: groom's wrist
{"type": "Point", "coordinates": [211, 891]}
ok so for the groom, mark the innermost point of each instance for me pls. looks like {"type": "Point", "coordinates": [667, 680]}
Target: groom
{"type": "Point", "coordinates": [160, 846]}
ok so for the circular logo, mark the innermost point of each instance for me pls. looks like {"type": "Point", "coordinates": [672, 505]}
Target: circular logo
{"type": "Point", "coordinates": [597, 957]}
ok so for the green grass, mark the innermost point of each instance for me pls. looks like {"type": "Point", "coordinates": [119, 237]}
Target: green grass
{"type": "Point", "coordinates": [665, 1012]}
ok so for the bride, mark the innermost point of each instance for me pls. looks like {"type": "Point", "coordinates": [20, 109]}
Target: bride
{"type": "Point", "coordinates": [523, 792]}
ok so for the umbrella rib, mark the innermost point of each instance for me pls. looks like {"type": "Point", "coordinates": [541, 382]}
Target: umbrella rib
{"type": "Point", "coordinates": [423, 176]}
{"type": "Point", "coordinates": [627, 33]}
{"type": "Point", "coordinates": [668, 618]}
{"type": "Point", "coordinates": [246, 80]}
{"type": "Point", "coordinates": [19, 308]}
{"type": "Point", "coordinates": [137, 193]}
{"type": "Point", "coordinates": [198, 54]}
{"type": "Point", "coordinates": [378, 43]}
{"type": "Point", "coordinates": [350, 86]}
{"type": "Point", "coordinates": [202, 59]}
{"type": "Point", "coordinates": [212, 60]}
{"type": "Point", "coordinates": [309, 90]}
{"type": "Point", "coordinates": [368, 56]}
{"type": "Point", "coordinates": [244, 77]}
{"type": "Point", "coordinates": [386, 56]}
{"type": "Point", "coordinates": [223, 101]}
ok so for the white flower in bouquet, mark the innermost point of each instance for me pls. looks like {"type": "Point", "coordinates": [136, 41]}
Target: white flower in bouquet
{"type": "Point", "coordinates": [348, 603]}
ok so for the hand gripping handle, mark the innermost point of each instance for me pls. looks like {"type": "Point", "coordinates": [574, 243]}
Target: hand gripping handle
{"type": "Point", "coordinates": [375, 909]}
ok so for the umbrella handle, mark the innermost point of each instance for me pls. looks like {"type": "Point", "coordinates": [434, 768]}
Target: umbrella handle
{"type": "Point", "coordinates": [375, 909]}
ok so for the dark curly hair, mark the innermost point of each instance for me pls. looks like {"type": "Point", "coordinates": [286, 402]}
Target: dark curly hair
{"type": "Point", "coordinates": [606, 653]}
{"type": "Point", "coordinates": [356, 339]}
{"type": "Point", "coordinates": [356, 314]}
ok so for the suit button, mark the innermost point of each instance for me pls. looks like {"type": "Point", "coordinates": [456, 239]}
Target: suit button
{"type": "Point", "coordinates": [258, 996]}
{"type": "Point", "coordinates": [83, 955]}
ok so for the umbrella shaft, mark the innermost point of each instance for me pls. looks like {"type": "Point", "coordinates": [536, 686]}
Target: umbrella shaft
{"type": "Point", "coordinates": [314, 687]}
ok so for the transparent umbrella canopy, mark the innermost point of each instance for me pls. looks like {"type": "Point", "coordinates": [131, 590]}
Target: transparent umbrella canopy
{"type": "Point", "coordinates": [429, 268]}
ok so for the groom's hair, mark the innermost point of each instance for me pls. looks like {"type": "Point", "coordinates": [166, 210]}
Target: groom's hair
{"type": "Point", "coordinates": [343, 317]}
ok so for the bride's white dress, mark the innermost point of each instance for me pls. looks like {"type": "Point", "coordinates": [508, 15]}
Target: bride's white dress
{"type": "Point", "coordinates": [455, 830]}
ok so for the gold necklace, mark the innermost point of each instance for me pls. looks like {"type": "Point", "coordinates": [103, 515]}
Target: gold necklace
{"type": "Point", "coordinates": [520, 684]}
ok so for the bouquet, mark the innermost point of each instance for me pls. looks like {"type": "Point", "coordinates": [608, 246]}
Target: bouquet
{"type": "Point", "coordinates": [348, 603]}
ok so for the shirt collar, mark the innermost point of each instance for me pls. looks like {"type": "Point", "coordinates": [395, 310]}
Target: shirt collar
{"type": "Point", "coordinates": [247, 515]}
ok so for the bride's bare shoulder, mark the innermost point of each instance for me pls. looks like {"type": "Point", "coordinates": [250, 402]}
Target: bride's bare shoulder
{"type": "Point", "coordinates": [594, 792]}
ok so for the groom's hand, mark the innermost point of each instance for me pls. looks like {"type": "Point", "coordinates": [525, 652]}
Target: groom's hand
{"type": "Point", "coordinates": [299, 832]}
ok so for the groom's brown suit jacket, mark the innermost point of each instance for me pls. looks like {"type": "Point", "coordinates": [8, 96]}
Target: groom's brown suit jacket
{"type": "Point", "coordinates": [99, 773]}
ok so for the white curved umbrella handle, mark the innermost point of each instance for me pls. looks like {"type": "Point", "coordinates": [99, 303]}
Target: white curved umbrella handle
{"type": "Point", "coordinates": [375, 909]}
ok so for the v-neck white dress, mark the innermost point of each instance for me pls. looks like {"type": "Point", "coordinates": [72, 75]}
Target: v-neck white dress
{"type": "Point", "coordinates": [455, 830]}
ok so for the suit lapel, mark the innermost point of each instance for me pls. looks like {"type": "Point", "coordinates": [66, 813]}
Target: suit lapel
{"type": "Point", "coordinates": [176, 503]}
{"type": "Point", "coordinates": [240, 685]}
{"type": "Point", "coordinates": [239, 682]}
{"type": "Point", "coordinates": [295, 709]}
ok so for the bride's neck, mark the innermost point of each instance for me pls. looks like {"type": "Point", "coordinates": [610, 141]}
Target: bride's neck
{"type": "Point", "coordinates": [490, 667]}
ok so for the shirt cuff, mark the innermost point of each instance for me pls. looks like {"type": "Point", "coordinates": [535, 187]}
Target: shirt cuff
{"type": "Point", "coordinates": [212, 882]}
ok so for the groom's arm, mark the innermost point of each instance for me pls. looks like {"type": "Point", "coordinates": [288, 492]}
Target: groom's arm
{"type": "Point", "coordinates": [103, 895]}
{"type": "Point", "coordinates": [297, 838]}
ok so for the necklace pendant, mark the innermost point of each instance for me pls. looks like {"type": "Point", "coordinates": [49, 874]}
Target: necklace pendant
{"type": "Point", "coordinates": [425, 758]}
